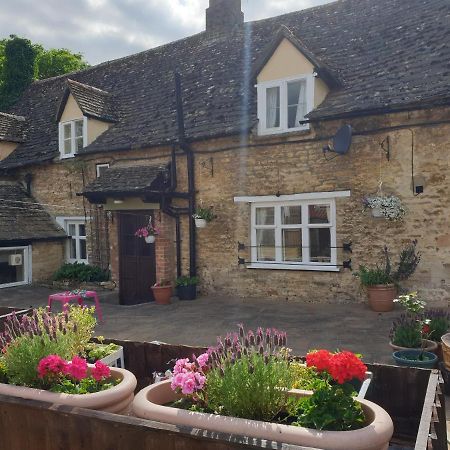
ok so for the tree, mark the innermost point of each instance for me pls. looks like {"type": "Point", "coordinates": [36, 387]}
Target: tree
{"type": "Point", "coordinates": [54, 62]}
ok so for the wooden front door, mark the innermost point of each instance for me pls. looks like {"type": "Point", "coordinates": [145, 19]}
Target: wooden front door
{"type": "Point", "coordinates": [137, 262]}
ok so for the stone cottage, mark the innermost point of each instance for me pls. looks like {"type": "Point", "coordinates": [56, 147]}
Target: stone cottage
{"type": "Point", "coordinates": [283, 126]}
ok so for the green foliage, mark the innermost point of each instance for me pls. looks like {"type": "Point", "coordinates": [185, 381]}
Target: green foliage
{"type": "Point", "coordinates": [86, 386]}
{"type": "Point", "coordinates": [95, 351]}
{"type": "Point", "coordinates": [57, 61]}
{"type": "Point", "coordinates": [408, 262]}
{"type": "Point", "coordinates": [81, 272]}
{"type": "Point", "coordinates": [186, 281]}
{"type": "Point", "coordinates": [439, 323]}
{"type": "Point", "coordinates": [83, 320]}
{"type": "Point", "coordinates": [305, 377]}
{"type": "Point", "coordinates": [332, 408]}
{"type": "Point", "coordinates": [251, 388]}
{"type": "Point", "coordinates": [372, 277]}
{"type": "Point", "coordinates": [204, 213]}
{"type": "Point", "coordinates": [406, 332]}
{"type": "Point", "coordinates": [3, 371]}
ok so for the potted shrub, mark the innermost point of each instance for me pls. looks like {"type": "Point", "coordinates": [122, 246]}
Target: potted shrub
{"type": "Point", "coordinates": [203, 216]}
{"type": "Point", "coordinates": [388, 206]}
{"type": "Point", "coordinates": [244, 384]}
{"type": "Point", "coordinates": [109, 354]}
{"type": "Point", "coordinates": [187, 287]}
{"type": "Point", "coordinates": [148, 232]}
{"type": "Point", "coordinates": [39, 360]}
{"type": "Point", "coordinates": [162, 292]}
{"type": "Point", "coordinates": [382, 281]}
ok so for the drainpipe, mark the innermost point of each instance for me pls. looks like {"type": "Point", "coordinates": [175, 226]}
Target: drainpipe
{"type": "Point", "coordinates": [191, 176]}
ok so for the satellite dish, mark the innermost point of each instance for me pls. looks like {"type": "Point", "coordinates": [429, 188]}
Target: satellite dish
{"type": "Point", "coordinates": [341, 141]}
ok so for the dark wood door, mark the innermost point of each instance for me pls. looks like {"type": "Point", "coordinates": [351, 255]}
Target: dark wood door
{"type": "Point", "coordinates": [137, 262]}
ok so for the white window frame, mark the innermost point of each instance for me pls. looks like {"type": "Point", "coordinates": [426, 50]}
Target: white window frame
{"type": "Point", "coordinates": [99, 166]}
{"type": "Point", "coordinates": [282, 84]}
{"type": "Point", "coordinates": [27, 263]}
{"type": "Point", "coordinates": [64, 222]}
{"type": "Point", "coordinates": [72, 134]}
{"type": "Point", "coordinates": [303, 200]}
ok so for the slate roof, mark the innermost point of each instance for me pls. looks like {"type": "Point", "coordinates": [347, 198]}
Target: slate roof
{"type": "Point", "coordinates": [12, 128]}
{"type": "Point", "coordinates": [387, 54]}
{"type": "Point", "coordinates": [22, 219]}
{"type": "Point", "coordinates": [92, 101]}
{"type": "Point", "coordinates": [135, 180]}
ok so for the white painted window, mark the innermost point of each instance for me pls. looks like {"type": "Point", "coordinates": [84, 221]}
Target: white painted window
{"type": "Point", "coordinates": [295, 232]}
{"type": "Point", "coordinates": [100, 168]}
{"type": "Point", "coordinates": [72, 137]}
{"type": "Point", "coordinates": [76, 248]}
{"type": "Point", "coordinates": [283, 104]}
{"type": "Point", "coordinates": [15, 266]}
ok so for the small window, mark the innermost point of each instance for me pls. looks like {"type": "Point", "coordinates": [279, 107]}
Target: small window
{"type": "Point", "coordinates": [72, 137]}
{"type": "Point", "coordinates": [283, 104]}
{"type": "Point", "coordinates": [76, 248]}
{"type": "Point", "coordinates": [294, 235]}
{"type": "Point", "coordinates": [100, 169]}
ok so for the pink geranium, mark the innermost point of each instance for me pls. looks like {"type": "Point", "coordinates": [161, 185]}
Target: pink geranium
{"type": "Point", "coordinates": [189, 377]}
{"type": "Point", "coordinates": [100, 371]}
{"type": "Point", "coordinates": [202, 359]}
{"type": "Point", "coordinates": [51, 365]}
{"type": "Point", "coordinates": [77, 368]}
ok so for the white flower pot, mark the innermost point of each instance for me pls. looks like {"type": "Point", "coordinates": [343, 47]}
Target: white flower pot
{"type": "Point", "coordinates": [376, 212]}
{"type": "Point", "coordinates": [149, 239]}
{"type": "Point", "coordinates": [200, 223]}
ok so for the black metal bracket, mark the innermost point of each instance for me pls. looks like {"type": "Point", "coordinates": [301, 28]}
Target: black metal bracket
{"type": "Point", "coordinates": [347, 264]}
{"type": "Point", "coordinates": [347, 247]}
{"type": "Point", "coordinates": [241, 261]}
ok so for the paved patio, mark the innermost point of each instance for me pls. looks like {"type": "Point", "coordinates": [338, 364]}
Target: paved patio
{"type": "Point", "coordinates": [343, 326]}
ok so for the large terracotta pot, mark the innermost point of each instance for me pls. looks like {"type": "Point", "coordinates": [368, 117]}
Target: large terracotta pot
{"type": "Point", "coordinates": [429, 346]}
{"type": "Point", "coordinates": [162, 294]}
{"type": "Point", "coordinates": [149, 404]}
{"type": "Point", "coordinates": [381, 297]}
{"type": "Point", "coordinates": [117, 399]}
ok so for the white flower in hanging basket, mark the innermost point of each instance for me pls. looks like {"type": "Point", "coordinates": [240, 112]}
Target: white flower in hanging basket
{"type": "Point", "coordinates": [387, 206]}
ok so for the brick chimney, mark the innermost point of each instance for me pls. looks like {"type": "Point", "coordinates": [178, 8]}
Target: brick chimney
{"type": "Point", "coordinates": [223, 15]}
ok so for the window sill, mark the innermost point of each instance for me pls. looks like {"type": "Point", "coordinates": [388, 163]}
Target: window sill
{"type": "Point", "coordinates": [304, 267]}
{"type": "Point", "coordinates": [284, 132]}
{"type": "Point", "coordinates": [72, 155]}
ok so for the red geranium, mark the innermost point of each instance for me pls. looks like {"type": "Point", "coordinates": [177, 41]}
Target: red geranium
{"type": "Point", "coordinates": [320, 359]}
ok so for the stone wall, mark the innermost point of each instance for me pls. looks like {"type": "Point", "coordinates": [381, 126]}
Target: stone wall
{"type": "Point", "coordinates": [419, 141]}
{"type": "Point", "coordinates": [47, 258]}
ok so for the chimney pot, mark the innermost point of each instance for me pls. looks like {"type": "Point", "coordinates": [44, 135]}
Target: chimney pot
{"type": "Point", "coordinates": [223, 15]}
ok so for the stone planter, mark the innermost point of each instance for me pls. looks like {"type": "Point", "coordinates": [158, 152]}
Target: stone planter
{"type": "Point", "coordinates": [149, 239]}
{"type": "Point", "coordinates": [407, 358]}
{"type": "Point", "coordinates": [200, 223]}
{"type": "Point", "coordinates": [149, 404]}
{"type": "Point", "coordinates": [116, 400]}
{"type": "Point", "coordinates": [430, 346]}
{"type": "Point", "coordinates": [162, 294]}
{"type": "Point", "coordinates": [381, 297]}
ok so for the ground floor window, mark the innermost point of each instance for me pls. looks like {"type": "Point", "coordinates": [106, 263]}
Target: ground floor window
{"type": "Point", "coordinates": [15, 266]}
{"type": "Point", "coordinates": [293, 231]}
{"type": "Point", "coordinates": [75, 227]}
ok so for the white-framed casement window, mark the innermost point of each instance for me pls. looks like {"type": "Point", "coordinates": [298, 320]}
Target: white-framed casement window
{"type": "Point", "coordinates": [72, 137]}
{"type": "Point", "coordinates": [100, 168]}
{"type": "Point", "coordinates": [15, 266]}
{"type": "Point", "coordinates": [283, 104]}
{"type": "Point", "coordinates": [76, 248]}
{"type": "Point", "coordinates": [295, 232]}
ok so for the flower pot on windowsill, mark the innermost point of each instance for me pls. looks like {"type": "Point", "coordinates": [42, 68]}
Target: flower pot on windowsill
{"type": "Point", "coordinates": [149, 239]}
{"type": "Point", "coordinates": [381, 297]}
{"type": "Point", "coordinates": [149, 404]}
{"type": "Point", "coordinates": [162, 294]}
{"type": "Point", "coordinates": [200, 223]}
{"type": "Point", "coordinates": [116, 399]}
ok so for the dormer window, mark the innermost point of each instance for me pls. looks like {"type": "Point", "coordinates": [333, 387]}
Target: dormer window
{"type": "Point", "coordinates": [283, 104]}
{"type": "Point", "coordinates": [72, 137]}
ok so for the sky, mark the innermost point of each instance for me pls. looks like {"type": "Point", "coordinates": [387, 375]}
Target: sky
{"type": "Point", "coordinates": [107, 29]}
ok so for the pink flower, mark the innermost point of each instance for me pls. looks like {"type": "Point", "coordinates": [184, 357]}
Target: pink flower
{"type": "Point", "coordinates": [177, 381]}
{"type": "Point", "coordinates": [100, 371]}
{"type": "Point", "coordinates": [202, 360]}
{"type": "Point", "coordinates": [52, 364]}
{"type": "Point", "coordinates": [189, 384]}
{"type": "Point", "coordinates": [200, 379]}
{"type": "Point", "coordinates": [77, 369]}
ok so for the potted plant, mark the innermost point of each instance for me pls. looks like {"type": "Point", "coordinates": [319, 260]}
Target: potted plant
{"type": "Point", "coordinates": [388, 206]}
{"type": "Point", "coordinates": [203, 216]}
{"type": "Point", "coordinates": [110, 354]}
{"type": "Point", "coordinates": [39, 360]}
{"type": "Point", "coordinates": [382, 281]}
{"type": "Point", "coordinates": [162, 291]}
{"type": "Point", "coordinates": [187, 287]}
{"type": "Point", "coordinates": [148, 232]}
{"type": "Point", "coordinates": [243, 386]}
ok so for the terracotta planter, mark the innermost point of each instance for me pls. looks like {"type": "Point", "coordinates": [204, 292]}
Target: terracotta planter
{"type": "Point", "coordinates": [430, 346]}
{"type": "Point", "coordinates": [116, 400]}
{"type": "Point", "coordinates": [162, 294]}
{"type": "Point", "coordinates": [149, 402]}
{"type": "Point", "coordinates": [381, 297]}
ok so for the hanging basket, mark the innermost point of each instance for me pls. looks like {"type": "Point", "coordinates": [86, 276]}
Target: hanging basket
{"type": "Point", "coordinates": [377, 213]}
{"type": "Point", "coordinates": [200, 223]}
{"type": "Point", "coordinates": [149, 239]}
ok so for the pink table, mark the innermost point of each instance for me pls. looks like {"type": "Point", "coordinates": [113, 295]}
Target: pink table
{"type": "Point", "coordinates": [66, 297]}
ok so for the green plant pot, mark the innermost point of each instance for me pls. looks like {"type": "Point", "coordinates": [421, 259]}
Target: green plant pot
{"type": "Point", "coordinates": [409, 358]}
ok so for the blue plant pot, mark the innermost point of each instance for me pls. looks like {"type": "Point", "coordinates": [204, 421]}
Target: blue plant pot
{"type": "Point", "coordinates": [409, 358]}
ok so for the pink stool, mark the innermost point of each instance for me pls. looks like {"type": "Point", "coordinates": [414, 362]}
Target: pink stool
{"type": "Point", "coordinates": [67, 297]}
